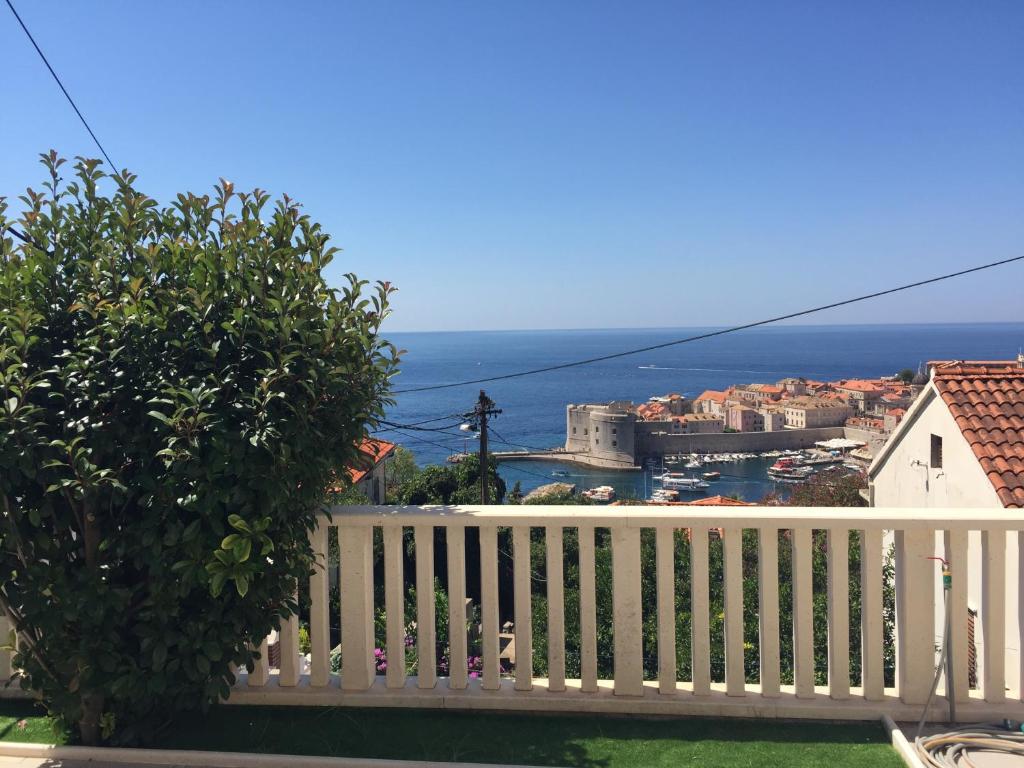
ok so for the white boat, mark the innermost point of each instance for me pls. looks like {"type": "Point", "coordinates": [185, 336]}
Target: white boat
{"type": "Point", "coordinates": [693, 464]}
{"type": "Point", "coordinates": [665, 494]}
{"type": "Point", "coordinates": [681, 482]}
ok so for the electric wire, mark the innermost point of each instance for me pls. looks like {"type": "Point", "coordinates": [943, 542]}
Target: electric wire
{"type": "Point", "coordinates": [415, 438]}
{"type": "Point", "coordinates": [56, 77]}
{"type": "Point", "coordinates": [443, 430]}
{"type": "Point", "coordinates": [713, 334]}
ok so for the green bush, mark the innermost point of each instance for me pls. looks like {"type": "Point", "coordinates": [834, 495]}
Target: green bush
{"type": "Point", "coordinates": [178, 386]}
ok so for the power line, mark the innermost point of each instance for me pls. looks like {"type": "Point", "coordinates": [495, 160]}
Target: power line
{"type": "Point", "coordinates": [417, 439]}
{"type": "Point", "coordinates": [712, 334]}
{"type": "Point", "coordinates": [429, 421]}
{"type": "Point", "coordinates": [443, 430]}
{"type": "Point", "coordinates": [65, 90]}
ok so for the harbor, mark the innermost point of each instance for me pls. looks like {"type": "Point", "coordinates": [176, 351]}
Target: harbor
{"type": "Point", "coordinates": [749, 476]}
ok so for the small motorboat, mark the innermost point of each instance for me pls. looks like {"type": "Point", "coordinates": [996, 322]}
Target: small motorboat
{"type": "Point", "coordinates": [711, 475]}
{"type": "Point", "coordinates": [679, 481]}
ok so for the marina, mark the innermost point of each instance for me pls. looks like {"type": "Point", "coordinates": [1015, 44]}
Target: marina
{"type": "Point", "coordinates": [686, 477]}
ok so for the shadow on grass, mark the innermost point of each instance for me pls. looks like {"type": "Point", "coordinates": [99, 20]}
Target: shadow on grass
{"type": "Point", "coordinates": [586, 742]}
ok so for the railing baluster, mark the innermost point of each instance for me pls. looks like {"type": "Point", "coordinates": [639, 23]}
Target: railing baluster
{"type": "Point", "coordinates": [319, 626]}
{"type": "Point", "coordinates": [838, 544]}
{"type": "Point", "coordinates": [993, 614]}
{"type": "Point", "coordinates": [732, 560]}
{"type": "Point", "coordinates": [956, 555]}
{"type": "Point", "coordinates": [288, 673]}
{"type": "Point", "coordinates": [626, 611]}
{"type": "Point", "coordinates": [871, 615]}
{"type": "Point", "coordinates": [456, 539]}
{"type": "Point", "coordinates": [666, 584]}
{"type": "Point", "coordinates": [426, 622]}
{"type": "Point", "coordinates": [489, 606]}
{"type": "Point", "coordinates": [768, 608]}
{"type": "Point", "coordinates": [803, 613]}
{"type": "Point", "coordinates": [355, 544]}
{"type": "Point", "coordinates": [588, 611]}
{"type": "Point", "coordinates": [915, 614]}
{"type": "Point", "coordinates": [394, 606]}
{"type": "Point", "coordinates": [523, 612]}
{"type": "Point", "coordinates": [556, 608]}
{"type": "Point", "coordinates": [260, 667]}
{"type": "Point", "coordinates": [700, 620]}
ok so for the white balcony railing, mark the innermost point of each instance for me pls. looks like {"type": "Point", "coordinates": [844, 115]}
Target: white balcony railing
{"type": "Point", "coordinates": [645, 677]}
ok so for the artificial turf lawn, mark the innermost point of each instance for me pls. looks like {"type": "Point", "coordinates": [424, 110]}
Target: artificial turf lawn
{"type": "Point", "coordinates": [595, 742]}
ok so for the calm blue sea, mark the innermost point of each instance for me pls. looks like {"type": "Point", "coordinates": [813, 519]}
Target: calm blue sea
{"type": "Point", "coordinates": [534, 406]}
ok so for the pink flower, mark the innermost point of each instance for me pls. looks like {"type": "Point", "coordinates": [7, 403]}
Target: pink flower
{"type": "Point", "coordinates": [474, 674]}
{"type": "Point", "coordinates": [22, 725]}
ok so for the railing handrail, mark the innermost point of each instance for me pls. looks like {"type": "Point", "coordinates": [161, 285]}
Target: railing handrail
{"type": "Point", "coordinates": [680, 517]}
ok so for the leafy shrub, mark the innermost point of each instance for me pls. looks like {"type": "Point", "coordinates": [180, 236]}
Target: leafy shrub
{"type": "Point", "coordinates": [178, 386]}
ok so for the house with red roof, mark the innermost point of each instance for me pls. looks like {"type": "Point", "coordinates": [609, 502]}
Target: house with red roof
{"type": "Point", "coordinates": [367, 475]}
{"type": "Point", "coordinates": [961, 444]}
{"type": "Point", "coordinates": [710, 401]}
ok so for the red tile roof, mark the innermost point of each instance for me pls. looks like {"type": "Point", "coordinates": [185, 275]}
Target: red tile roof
{"type": "Point", "coordinates": [373, 453]}
{"type": "Point", "coordinates": [710, 394]}
{"type": "Point", "coordinates": [986, 398]}
{"type": "Point", "coordinates": [718, 501]}
{"type": "Point", "coordinates": [707, 501]}
{"type": "Point", "coordinates": [860, 385]}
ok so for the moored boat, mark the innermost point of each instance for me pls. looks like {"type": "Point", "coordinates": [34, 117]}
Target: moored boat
{"type": "Point", "coordinates": [600, 493]}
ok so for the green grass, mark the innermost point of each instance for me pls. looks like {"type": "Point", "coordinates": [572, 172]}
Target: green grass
{"type": "Point", "coordinates": [37, 728]}
{"type": "Point", "coordinates": [593, 742]}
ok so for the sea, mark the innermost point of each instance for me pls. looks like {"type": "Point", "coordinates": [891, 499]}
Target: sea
{"type": "Point", "coordinates": [533, 407]}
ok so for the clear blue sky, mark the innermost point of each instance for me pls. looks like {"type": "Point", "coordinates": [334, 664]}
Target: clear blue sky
{"type": "Point", "coordinates": [567, 165]}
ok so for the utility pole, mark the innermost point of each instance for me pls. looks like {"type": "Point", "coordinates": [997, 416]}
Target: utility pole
{"type": "Point", "coordinates": [484, 408]}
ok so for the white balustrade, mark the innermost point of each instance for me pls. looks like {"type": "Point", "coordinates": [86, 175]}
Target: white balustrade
{"type": "Point", "coordinates": [693, 571]}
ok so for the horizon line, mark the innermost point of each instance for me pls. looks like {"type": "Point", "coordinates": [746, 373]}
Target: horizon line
{"type": "Point", "coordinates": [703, 327]}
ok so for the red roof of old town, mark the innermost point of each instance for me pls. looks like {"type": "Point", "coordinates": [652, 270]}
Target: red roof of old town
{"type": "Point", "coordinates": [713, 395]}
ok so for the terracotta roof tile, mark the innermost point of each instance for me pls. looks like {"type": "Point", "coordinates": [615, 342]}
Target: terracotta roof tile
{"type": "Point", "coordinates": [373, 453]}
{"type": "Point", "coordinates": [986, 398]}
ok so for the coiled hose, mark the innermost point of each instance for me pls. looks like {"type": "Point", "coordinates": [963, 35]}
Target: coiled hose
{"type": "Point", "coordinates": [954, 749]}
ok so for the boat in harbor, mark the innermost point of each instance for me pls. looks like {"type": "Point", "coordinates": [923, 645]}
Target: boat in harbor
{"type": "Point", "coordinates": [789, 470]}
{"type": "Point", "coordinates": [602, 493]}
{"type": "Point", "coordinates": [681, 482]}
{"type": "Point", "coordinates": [665, 494]}
{"type": "Point", "coordinates": [711, 475]}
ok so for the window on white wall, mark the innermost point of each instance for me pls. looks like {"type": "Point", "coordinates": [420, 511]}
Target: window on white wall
{"type": "Point", "coordinates": [936, 451]}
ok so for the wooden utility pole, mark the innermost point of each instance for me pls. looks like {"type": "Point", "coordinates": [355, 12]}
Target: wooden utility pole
{"type": "Point", "coordinates": [484, 408]}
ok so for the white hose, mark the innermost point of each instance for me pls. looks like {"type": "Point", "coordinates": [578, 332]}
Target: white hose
{"type": "Point", "coordinates": [954, 749]}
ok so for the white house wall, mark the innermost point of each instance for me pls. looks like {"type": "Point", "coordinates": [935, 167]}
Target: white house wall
{"type": "Point", "coordinates": [904, 478]}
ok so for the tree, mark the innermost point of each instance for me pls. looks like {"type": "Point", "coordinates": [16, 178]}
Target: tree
{"type": "Point", "coordinates": [401, 470]}
{"type": "Point", "coordinates": [906, 375]}
{"type": "Point", "coordinates": [827, 489]}
{"type": "Point", "coordinates": [515, 496]}
{"type": "Point", "coordinates": [452, 484]}
{"type": "Point", "coordinates": [178, 386]}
